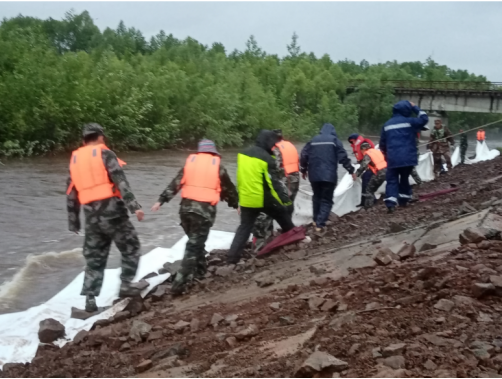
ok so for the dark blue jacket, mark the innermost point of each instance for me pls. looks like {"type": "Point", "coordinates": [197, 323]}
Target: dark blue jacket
{"type": "Point", "coordinates": [398, 137]}
{"type": "Point", "coordinates": [320, 156]}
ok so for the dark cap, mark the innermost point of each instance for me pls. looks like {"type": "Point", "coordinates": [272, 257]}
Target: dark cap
{"type": "Point", "coordinates": [92, 128]}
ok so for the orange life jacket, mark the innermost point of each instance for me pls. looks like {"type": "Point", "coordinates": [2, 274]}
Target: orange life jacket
{"type": "Point", "coordinates": [201, 178]}
{"type": "Point", "coordinates": [377, 160]}
{"type": "Point", "coordinates": [481, 135]}
{"type": "Point", "coordinates": [289, 154]}
{"type": "Point", "coordinates": [356, 147]}
{"type": "Point", "coordinates": [89, 175]}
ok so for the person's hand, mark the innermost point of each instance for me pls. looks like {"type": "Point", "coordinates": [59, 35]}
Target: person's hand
{"type": "Point", "coordinates": [412, 103]}
{"type": "Point", "coordinates": [304, 176]}
{"type": "Point", "coordinates": [155, 207]}
{"type": "Point", "coordinates": [140, 214]}
{"type": "Point", "coordinates": [239, 210]}
{"type": "Point", "coordinates": [354, 176]}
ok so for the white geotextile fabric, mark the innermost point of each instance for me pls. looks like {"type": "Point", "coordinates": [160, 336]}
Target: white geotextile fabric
{"type": "Point", "coordinates": [482, 154]}
{"type": "Point", "coordinates": [19, 331]}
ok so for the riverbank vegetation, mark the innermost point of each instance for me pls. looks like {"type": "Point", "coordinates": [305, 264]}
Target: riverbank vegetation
{"type": "Point", "coordinates": [163, 92]}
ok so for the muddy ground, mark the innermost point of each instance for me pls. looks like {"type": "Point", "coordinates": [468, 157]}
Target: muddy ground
{"type": "Point", "coordinates": [428, 313]}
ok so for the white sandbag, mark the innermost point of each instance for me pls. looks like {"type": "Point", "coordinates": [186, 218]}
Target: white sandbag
{"type": "Point", "coordinates": [347, 195]}
{"type": "Point", "coordinates": [483, 153]}
{"type": "Point", "coordinates": [425, 167]}
{"type": "Point", "coordinates": [455, 158]}
{"type": "Point", "coordinates": [19, 331]}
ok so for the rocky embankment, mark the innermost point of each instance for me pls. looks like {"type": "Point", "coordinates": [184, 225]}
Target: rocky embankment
{"type": "Point", "coordinates": [409, 314]}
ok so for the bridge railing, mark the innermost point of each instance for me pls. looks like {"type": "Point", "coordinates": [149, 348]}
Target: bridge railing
{"type": "Point", "coordinates": [435, 85]}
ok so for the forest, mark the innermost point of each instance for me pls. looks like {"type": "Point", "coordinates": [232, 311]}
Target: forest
{"type": "Point", "coordinates": [56, 75]}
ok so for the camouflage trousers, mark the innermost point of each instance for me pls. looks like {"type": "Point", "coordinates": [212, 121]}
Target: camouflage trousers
{"type": "Point", "coordinates": [415, 176]}
{"type": "Point", "coordinates": [197, 229]}
{"type": "Point", "coordinates": [438, 164]}
{"type": "Point", "coordinates": [375, 182]}
{"type": "Point", "coordinates": [98, 240]}
{"type": "Point", "coordinates": [264, 225]}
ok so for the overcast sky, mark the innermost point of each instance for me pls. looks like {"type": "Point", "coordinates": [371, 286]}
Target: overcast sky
{"type": "Point", "coordinates": [460, 35]}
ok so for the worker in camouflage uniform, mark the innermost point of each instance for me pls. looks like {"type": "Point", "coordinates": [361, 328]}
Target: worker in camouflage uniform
{"type": "Point", "coordinates": [414, 173]}
{"type": "Point", "coordinates": [463, 146]}
{"type": "Point", "coordinates": [375, 162]}
{"type": "Point", "coordinates": [287, 162]}
{"type": "Point", "coordinates": [99, 185]}
{"type": "Point", "coordinates": [438, 143]}
{"type": "Point", "coordinates": [203, 181]}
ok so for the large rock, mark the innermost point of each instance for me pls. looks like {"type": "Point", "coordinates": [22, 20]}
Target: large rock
{"type": "Point", "coordinates": [139, 330]}
{"type": "Point", "coordinates": [482, 289]}
{"type": "Point", "coordinates": [444, 305]}
{"type": "Point", "coordinates": [321, 363]}
{"type": "Point", "coordinates": [216, 319]}
{"type": "Point", "coordinates": [395, 362]}
{"type": "Point", "coordinates": [384, 257]}
{"type": "Point", "coordinates": [394, 349]}
{"type": "Point", "coordinates": [50, 330]}
{"type": "Point", "coordinates": [407, 251]}
{"type": "Point", "coordinates": [315, 302]}
{"type": "Point", "coordinates": [81, 314]}
{"type": "Point", "coordinates": [224, 271]}
{"type": "Point", "coordinates": [251, 331]}
{"type": "Point", "coordinates": [143, 366]}
{"type": "Point", "coordinates": [135, 305]}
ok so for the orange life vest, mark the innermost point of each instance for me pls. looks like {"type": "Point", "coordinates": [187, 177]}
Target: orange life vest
{"type": "Point", "coordinates": [481, 135]}
{"type": "Point", "coordinates": [201, 178]}
{"type": "Point", "coordinates": [377, 160]}
{"type": "Point", "coordinates": [356, 147]}
{"type": "Point", "coordinates": [289, 154]}
{"type": "Point", "coordinates": [89, 175]}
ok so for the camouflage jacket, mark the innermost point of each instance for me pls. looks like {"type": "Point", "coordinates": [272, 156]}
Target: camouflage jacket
{"type": "Point", "coordinates": [293, 177]}
{"type": "Point", "coordinates": [463, 140]}
{"type": "Point", "coordinates": [363, 165]}
{"type": "Point", "coordinates": [439, 139]}
{"type": "Point", "coordinates": [206, 210]}
{"type": "Point", "coordinates": [106, 209]}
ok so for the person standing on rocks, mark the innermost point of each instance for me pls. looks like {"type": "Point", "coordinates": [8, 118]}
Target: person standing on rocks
{"type": "Point", "coordinates": [203, 182]}
{"type": "Point", "coordinates": [463, 146]}
{"type": "Point", "coordinates": [261, 190]}
{"type": "Point", "coordinates": [398, 144]}
{"type": "Point", "coordinates": [99, 185]}
{"type": "Point", "coordinates": [438, 143]}
{"type": "Point", "coordinates": [288, 164]}
{"type": "Point", "coordinates": [375, 162]}
{"type": "Point", "coordinates": [319, 160]}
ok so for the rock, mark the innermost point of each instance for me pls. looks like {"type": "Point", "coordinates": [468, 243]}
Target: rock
{"type": "Point", "coordinates": [384, 257]}
{"type": "Point", "coordinates": [394, 227]}
{"type": "Point", "coordinates": [224, 271]}
{"type": "Point", "coordinates": [172, 267]}
{"type": "Point", "coordinates": [135, 306]}
{"type": "Point", "coordinates": [354, 349]}
{"type": "Point", "coordinates": [265, 279]}
{"type": "Point", "coordinates": [320, 362]}
{"type": "Point", "coordinates": [159, 292]}
{"type": "Point", "coordinates": [232, 341]}
{"type": "Point", "coordinates": [50, 330]}
{"type": "Point", "coordinates": [180, 325]}
{"type": "Point", "coordinates": [221, 336]}
{"type": "Point", "coordinates": [251, 331]}
{"type": "Point", "coordinates": [481, 354]}
{"type": "Point", "coordinates": [427, 272]}
{"type": "Point", "coordinates": [376, 352]}
{"type": "Point", "coordinates": [474, 235]}
{"type": "Point", "coordinates": [121, 316]}
{"type": "Point", "coordinates": [231, 318]}
{"type": "Point", "coordinates": [482, 345]}
{"type": "Point", "coordinates": [319, 281]}
{"type": "Point", "coordinates": [407, 251]}
{"type": "Point", "coordinates": [481, 268]}
{"type": "Point", "coordinates": [162, 271]}
{"type": "Point", "coordinates": [150, 275]}
{"type": "Point", "coordinates": [81, 314]}
{"type": "Point", "coordinates": [387, 372]}
{"type": "Point", "coordinates": [444, 305]}
{"type": "Point", "coordinates": [484, 245]}
{"type": "Point", "coordinates": [216, 319]}
{"type": "Point", "coordinates": [496, 281]}
{"type": "Point", "coordinates": [373, 305]}
{"type": "Point", "coordinates": [175, 350]}
{"type": "Point", "coordinates": [461, 268]}
{"type": "Point", "coordinates": [286, 320]}
{"type": "Point", "coordinates": [484, 317]}
{"type": "Point", "coordinates": [138, 330]}
{"type": "Point", "coordinates": [157, 335]}
{"type": "Point", "coordinates": [143, 366]}
{"type": "Point", "coordinates": [329, 306]}
{"type": "Point", "coordinates": [315, 302]}
{"type": "Point", "coordinates": [80, 336]}
{"type": "Point", "coordinates": [141, 285]}
{"type": "Point", "coordinates": [482, 289]}
{"type": "Point", "coordinates": [416, 330]}
{"type": "Point", "coordinates": [343, 319]}
{"type": "Point", "coordinates": [429, 365]}
{"type": "Point", "coordinates": [394, 349]}
{"type": "Point", "coordinates": [407, 300]}
{"type": "Point", "coordinates": [194, 325]}
{"type": "Point", "coordinates": [342, 307]}
{"type": "Point", "coordinates": [275, 306]}
{"type": "Point", "coordinates": [444, 374]}
{"type": "Point", "coordinates": [440, 320]}
{"type": "Point", "coordinates": [427, 246]}
{"type": "Point", "coordinates": [436, 340]}
{"type": "Point", "coordinates": [395, 362]}
{"type": "Point", "coordinates": [166, 363]}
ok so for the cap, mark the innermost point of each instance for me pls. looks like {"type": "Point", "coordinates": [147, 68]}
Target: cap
{"type": "Point", "coordinates": [207, 146]}
{"type": "Point", "coordinates": [92, 128]}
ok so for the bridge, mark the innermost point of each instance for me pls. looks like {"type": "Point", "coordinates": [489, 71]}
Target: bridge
{"type": "Point", "coordinates": [444, 96]}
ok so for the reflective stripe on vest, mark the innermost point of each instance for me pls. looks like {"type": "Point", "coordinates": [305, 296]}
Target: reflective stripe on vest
{"type": "Point", "coordinates": [89, 175]}
{"type": "Point", "coordinates": [289, 154]}
{"type": "Point", "coordinates": [201, 178]}
{"type": "Point", "coordinates": [377, 160]}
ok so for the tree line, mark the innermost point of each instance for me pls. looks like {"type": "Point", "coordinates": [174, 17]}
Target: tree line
{"type": "Point", "coordinates": [56, 75]}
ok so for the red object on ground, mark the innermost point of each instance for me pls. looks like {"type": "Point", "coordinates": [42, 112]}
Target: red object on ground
{"type": "Point", "coordinates": [428, 196]}
{"type": "Point", "coordinates": [294, 235]}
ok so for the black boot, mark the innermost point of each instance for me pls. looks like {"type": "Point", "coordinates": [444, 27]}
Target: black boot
{"type": "Point", "coordinates": [90, 304]}
{"type": "Point", "coordinates": [391, 210]}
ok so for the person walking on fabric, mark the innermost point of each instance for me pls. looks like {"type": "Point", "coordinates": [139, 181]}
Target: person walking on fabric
{"type": "Point", "coordinates": [203, 181]}
{"type": "Point", "coordinates": [99, 185]}
{"type": "Point", "coordinates": [438, 143]}
{"type": "Point", "coordinates": [288, 164]}
{"type": "Point", "coordinates": [319, 160]}
{"type": "Point", "coordinates": [261, 189]}
{"type": "Point", "coordinates": [373, 161]}
{"type": "Point", "coordinates": [398, 144]}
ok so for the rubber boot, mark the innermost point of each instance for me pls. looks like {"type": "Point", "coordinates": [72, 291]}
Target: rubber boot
{"type": "Point", "coordinates": [128, 290]}
{"type": "Point", "coordinates": [180, 283]}
{"type": "Point", "coordinates": [90, 304]}
{"type": "Point", "coordinates": [391, 210]}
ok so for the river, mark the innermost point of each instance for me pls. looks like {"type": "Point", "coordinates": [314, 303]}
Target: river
{"type": "Point", "coordinates": [39, 256]}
